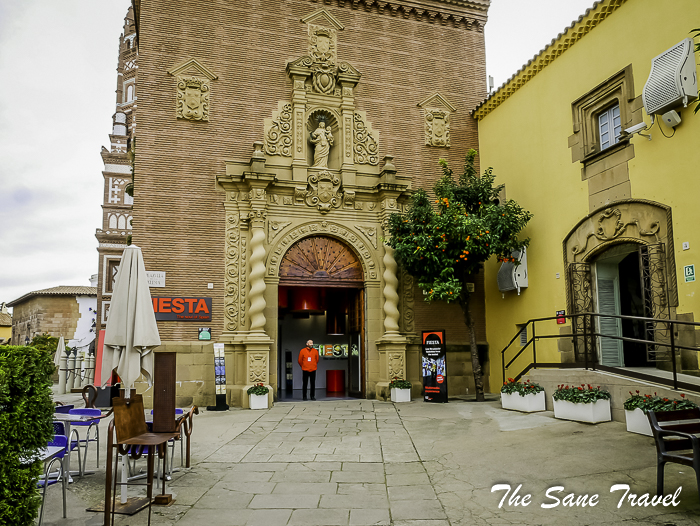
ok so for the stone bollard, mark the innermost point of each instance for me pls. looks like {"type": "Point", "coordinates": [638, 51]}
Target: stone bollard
{"type": "Point", "coordinates": [88, 370]}
{"type": "Point", "coordinates": [62, 374]}
{"type": "Point", "coordinates": [78, 370]}
{"type": "Point", "coordinates": [71, 371]}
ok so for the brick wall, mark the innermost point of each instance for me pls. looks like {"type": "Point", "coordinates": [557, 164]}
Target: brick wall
{"type": "Point", "coordinates": [179, 215]}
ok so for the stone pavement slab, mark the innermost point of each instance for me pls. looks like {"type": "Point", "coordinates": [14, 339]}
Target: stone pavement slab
{"type": "Point", "coordinates": [351, 462]}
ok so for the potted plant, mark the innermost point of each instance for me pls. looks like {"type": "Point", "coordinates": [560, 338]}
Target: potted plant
{"type": "Point", "coordinates": [584, 403]}
{"type": "Point", "coordinates": [258, 396]}
{"type": "Point", "coordinates": [400, 390]}
{"type": "Point", "coordinates": [637, 405]}
{"type": "Point", "coordinates": [522, 396]}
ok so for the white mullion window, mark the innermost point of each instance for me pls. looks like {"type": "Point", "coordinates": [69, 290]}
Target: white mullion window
{"type": "Point", "coordinates": [609, 126]}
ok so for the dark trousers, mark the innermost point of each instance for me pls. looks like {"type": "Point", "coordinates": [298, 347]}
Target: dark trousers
{"type": "Point", "coordinates": [311, 377]}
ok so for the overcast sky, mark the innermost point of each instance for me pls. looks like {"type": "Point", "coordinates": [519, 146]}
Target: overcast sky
{"type": "Point", "coordinates": [58, 63]}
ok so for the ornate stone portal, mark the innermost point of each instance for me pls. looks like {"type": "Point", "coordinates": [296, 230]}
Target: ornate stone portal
{"type": "Point", "coordinates": [315, 173]}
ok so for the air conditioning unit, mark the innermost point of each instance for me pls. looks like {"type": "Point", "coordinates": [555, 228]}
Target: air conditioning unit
{"type": "Point", "coordinates": [673, 79]}
{"type": "Point", "coordinates": [512, 277]}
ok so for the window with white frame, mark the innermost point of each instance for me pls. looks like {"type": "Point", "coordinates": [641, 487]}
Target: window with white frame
{"type": "Point", "coordinates": [609, 126]}
{"type": "Point", "coordinates": [129, 93]}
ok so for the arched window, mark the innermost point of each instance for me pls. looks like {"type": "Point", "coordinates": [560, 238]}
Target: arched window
{"type": "Point", "coordinates": [129, 93]}
{"type": "Point", "coordinates": [112, 221]}
{"type": "Point", "coordinates": [122, 222]}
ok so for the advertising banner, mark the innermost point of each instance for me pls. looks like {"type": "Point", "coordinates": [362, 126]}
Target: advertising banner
{"type": "Point", "coordinates": [171, 308]}
{"type": "Point", "coordinates": [434, 366]}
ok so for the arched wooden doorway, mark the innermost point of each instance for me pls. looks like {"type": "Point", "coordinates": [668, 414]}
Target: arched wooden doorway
{"type": "Point", "coordinates": [321, 297]}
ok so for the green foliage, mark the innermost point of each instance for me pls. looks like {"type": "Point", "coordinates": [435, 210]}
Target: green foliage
{"type": "Point", "coordinates": [398, 383]}
{"type": "Point", "coordinates": [522, 388]}
{"type": "Point", "coordinates": [585, 394]}
{"type": "Point", "coordinates": [46, 342]}
{"type": "Point", "coordinates": [26, 414]}
{"type": "Point", "coordinates": [444, 244]}
{"type": "Point", "coordinates": [258, 389]}
{"type": "Point", "coordinates": [657, 403]}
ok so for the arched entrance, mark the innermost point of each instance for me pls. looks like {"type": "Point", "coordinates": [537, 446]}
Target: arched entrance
{"type": "Point", "coordinates": [620, 262]}
{"type": "Point", "coordinates": [321, 297]}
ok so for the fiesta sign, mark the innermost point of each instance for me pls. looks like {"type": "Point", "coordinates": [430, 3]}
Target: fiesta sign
{"type": "Point", "coordinates": [171, 308]}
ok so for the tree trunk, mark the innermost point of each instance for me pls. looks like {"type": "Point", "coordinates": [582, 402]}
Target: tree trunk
{"type": "Point", "coordinates": [465, 303]}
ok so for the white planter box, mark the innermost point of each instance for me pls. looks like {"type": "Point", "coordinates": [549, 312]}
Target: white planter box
{"type": "Point", "coordinates": [528, 403]}
{"type": "Point", "coordinates": [258, 401]}
{"type": "Point", "coordinates": [598, 411]}
{"type": "Point", "coordinates": [400, 395]}
{"type": "Point", "coordinates": [637, 422]}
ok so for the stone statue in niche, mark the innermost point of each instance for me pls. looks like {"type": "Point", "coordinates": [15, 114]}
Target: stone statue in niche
{"type": "Point", "coordinates": [322, 138]}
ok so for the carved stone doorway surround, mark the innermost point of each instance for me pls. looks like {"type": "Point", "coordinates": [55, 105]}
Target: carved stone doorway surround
{"type": "Point", "coordinates": [635, 221]}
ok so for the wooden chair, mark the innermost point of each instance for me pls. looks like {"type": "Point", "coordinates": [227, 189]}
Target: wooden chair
{"type": "Point", "coordinates": [674, 434]}
{"type": "Point", "coordinates": [132, 437]}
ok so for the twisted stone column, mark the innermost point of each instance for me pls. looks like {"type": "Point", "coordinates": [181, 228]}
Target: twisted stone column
{"type": "Point", "coordinates": [257, 273]}
{"type": "Point", "coordinates": [391, 296]}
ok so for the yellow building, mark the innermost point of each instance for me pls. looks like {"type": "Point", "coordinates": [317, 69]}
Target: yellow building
{"type": "Point", "coordinates": [5, 324]}
{"type": "Point", "coordinates": [615, 203]}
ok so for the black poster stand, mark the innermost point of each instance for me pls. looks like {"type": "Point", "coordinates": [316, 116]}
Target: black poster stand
{"type": "Point", "coordinates": [434, 366]}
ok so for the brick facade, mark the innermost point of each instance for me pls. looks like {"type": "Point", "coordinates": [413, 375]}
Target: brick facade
{"type": "Point", "coordinates": [193, 175]}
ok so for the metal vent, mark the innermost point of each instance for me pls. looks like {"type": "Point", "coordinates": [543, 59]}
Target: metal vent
{"type": "Point", "coordinates": [672, 80]}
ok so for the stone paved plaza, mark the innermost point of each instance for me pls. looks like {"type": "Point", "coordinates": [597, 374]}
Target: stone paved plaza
{"type": "Point", "coordinates": [362, 462]}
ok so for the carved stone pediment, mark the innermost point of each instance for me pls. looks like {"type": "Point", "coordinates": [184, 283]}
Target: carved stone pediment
{"type": "Point", "coordinates": [321, 17]}
{"type": "Point", "coordinates": [324, 191]}
{"type": "Point", "coordinates": [436, 112]}
{"type": "Point", "coordinates": [193, 87]}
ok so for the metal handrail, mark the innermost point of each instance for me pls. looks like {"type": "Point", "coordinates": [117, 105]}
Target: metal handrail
{"type": "Point", "coordinates": [589, 332]}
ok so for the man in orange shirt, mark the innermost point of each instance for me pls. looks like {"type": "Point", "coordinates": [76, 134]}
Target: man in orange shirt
{"type": "Point", "coordinates": [308, 359]}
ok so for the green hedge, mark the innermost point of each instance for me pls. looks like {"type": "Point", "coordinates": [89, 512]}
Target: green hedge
{"type": "Point", "coordinates": [26, 415]}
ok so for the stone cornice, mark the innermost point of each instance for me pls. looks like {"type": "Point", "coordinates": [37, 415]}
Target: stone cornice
{"type": "Point", "coordinates": [465, 14]}
{"type": "Point", "coordinates": [572, 34]}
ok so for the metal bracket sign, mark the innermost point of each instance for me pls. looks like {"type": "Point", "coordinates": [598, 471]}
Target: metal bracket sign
{"type": "Point", "coordinates": [434, 366]}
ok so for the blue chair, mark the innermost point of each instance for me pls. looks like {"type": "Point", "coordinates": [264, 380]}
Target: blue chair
{"type": "Point", "coordinates": [62, 442]}
{"type": "Point", "coordinates": [91, 425]}
{"type": "Point", "coordinates": [59, 429]}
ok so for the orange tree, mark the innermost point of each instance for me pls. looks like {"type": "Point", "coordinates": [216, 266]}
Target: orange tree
{"type": "Point", "coordinates": [444, 242]}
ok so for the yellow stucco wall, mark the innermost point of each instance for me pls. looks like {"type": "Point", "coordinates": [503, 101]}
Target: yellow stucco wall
{"type": "Point", "coordinates": [6, 332]}
{"type": "Point", "coordinates": [525, 140]}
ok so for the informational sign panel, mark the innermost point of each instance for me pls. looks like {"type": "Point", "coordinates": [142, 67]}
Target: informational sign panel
{"type": "Point", "coordinates": [219, 368]}
{"type": "Point", "coordinates": [220, 379]}
{"type": "Point", "coordinates": [689, 272]}
{"type": "Point", "coordinates": [155, 278]}
{"type": "Point", "coordinates": [171, 308]}
{"type": "Point", "coordinates": [561, 320]}
{"type": "Point", "coordinates": [204, 333]}
{"type": "Point", "coordinates": [434, 366]}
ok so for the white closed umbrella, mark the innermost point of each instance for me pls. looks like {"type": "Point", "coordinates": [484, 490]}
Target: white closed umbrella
{"type": "Point", "coordinates": [60, 351]}
{"type": "Point", "coordinates": [131, 332]}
